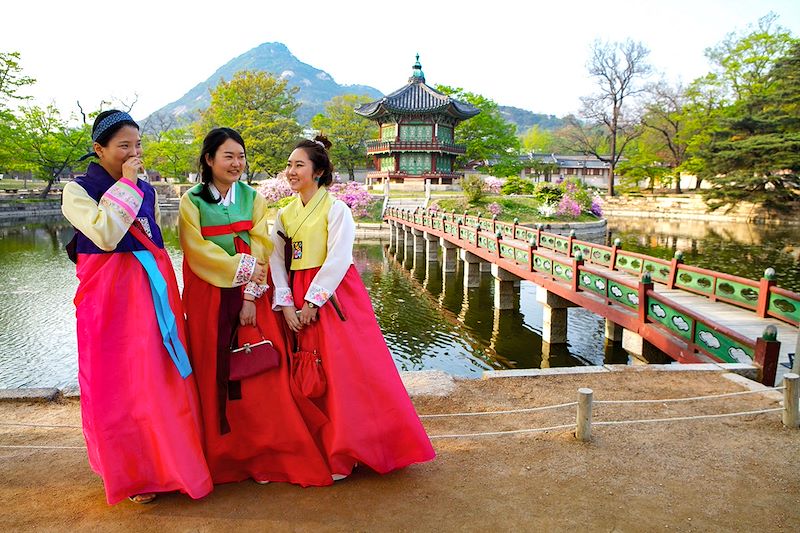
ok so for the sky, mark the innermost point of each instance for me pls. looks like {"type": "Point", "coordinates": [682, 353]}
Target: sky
{"type": "Point", "coordinates": [524, 53]}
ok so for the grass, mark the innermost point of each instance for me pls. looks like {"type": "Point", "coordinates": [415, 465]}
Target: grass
{"type": "Point", "coordinates": [523, 208]}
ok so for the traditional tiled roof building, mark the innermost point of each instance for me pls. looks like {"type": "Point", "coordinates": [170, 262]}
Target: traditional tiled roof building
{"type": "Point", "coordinates": [416, 133]}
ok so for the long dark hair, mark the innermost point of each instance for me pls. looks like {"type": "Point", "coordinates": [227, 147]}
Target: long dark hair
{"type": "Point", "coordinates": [211, 144]}
{"type": "Point", "coordinates": [317, 152]}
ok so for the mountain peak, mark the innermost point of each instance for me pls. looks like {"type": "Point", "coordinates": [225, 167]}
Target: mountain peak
{"type": "Point", "coordinates": [316, 86]}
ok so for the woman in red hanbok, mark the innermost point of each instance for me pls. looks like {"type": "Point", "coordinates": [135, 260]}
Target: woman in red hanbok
{"type": "Point", "coordinates": [357, 408]}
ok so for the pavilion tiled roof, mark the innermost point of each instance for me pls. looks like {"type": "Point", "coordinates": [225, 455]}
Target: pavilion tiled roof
{"type": "Point", "coordinates": [417, 97]}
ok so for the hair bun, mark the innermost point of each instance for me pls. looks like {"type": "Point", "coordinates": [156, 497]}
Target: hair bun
{"type": "Point", "coordinates": [324, 141]}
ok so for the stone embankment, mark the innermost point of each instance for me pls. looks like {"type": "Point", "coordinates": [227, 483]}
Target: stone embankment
{"type": "Point", "coordinates": [691, 206]}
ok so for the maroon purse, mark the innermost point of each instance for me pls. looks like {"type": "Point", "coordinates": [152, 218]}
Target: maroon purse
{"type": "Point", "coordinates": [252, 358]}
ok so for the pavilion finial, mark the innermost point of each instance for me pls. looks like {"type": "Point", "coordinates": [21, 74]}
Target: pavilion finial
{"type": "Point", "coordinates": [417, 75]}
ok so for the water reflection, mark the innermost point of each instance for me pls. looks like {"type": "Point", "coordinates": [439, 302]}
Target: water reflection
{"type": "Point", "coordinates": [429, 320]}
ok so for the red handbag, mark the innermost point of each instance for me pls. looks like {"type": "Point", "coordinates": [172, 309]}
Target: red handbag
{"type": "Point", "coordinates": [308, 374]}
{"type": "Point", "coordinates": [252, 358]}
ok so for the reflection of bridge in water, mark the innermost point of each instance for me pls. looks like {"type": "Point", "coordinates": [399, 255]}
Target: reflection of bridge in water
{"type": "Point", "coordinates": [675, 311]}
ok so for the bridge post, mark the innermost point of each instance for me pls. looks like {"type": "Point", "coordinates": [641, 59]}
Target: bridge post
{"type": "Point", "coordinates": [642, 350]}
{"type": "Point", "coordinates": [392, 241]}
{"type": "Point", "coordinates": [419, 241]}
{"type": "Point", "coordinates": [613, 331]}
{"type": "Point", "coordinates": [762, 307]}
{"type": "Point", "coordinates": [503, 288]}
{"type": "Point", "coordinates": [554, 316]}
{"type": "Point", "coordinates": [408, 238]}
{"type": "Point", "coordinates": [766, 355]}
{"type": "Point", "coordinates": [472, 274]}
{"type": "Point", "coordinates": [450, 255]}
{"type": "Point", "coordinates": [431, 247]}
{"type": "Point", "coordinates": [791, 399]}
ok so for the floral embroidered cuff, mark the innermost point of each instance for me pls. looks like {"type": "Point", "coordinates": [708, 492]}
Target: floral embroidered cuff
{"type": "Point", "coordinates": [247, 266]}
{"type": "Point", "coordinates": [317, 295]}
{"type": "Point", "coordinates": [122, 201]}
{"type": "Point", "coordinates": [283, 297]}
{"type": "Point", "coordinates": [255, 289]}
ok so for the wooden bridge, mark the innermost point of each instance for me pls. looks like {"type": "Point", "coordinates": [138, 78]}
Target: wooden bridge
{"type": "Point", "coordinates": [659, 309]}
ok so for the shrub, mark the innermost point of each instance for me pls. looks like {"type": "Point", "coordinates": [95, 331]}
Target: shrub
{"type": "Point", "coordinates": [493, 185]}
{"type": "Point", "coordinates": [495, 208]}
{"type": "Point", "coordinates": [597, 206]}
{"type": "Point", "coordinates": [569, 207]}
{"type": "Point", "coordinates": [354, 194]}
{"type": "Point", "coordinates": [517, 185]}
{"type": "Point", "coordinates": [472, 186]}
{"type": "Point", "coordinates": [548, 193]}
{"type": "Point", "coordinates": [274, 189]}
{"type": "Point", "coordinates": [547, 210]}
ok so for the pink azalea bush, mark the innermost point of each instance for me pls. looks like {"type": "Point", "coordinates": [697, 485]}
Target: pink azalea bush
{"type": "Point", "coordinates": [274, 189]}
{"type": "Point", "coordinates": [493, 185]}
{"type": "Point", "coordinates": [568, 207]}
{"type": "Point", "coordinates": [495, 208]}
{"type": "Point", "coordinates": [354, 194]}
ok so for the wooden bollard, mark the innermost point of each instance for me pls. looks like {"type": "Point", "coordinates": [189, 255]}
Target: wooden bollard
{"type": "Point", "coordinates": [583, 424]}
{"type": "Point", "coordinates": [791, 400]}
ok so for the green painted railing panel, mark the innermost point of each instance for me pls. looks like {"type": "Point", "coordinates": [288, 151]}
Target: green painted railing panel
{"type": "Point", "coordinates": [583, 249]}
{"type": "Point", "coordinates": [521, 256]}
{"type": "Point", "coordinates": [694, 280]}
{"type": "Point", "coordinates": [628, 263]}
{"type": "Point", "coordinates": [542, 264]}
{"type": "Point", "coordinates": [600, 256]}
{"type": "Point", "coordinates": [466, 234]}
{"type": "Point", "coordinates": [657, 271]}
{"type": "Point", "coordinates": [738, 292]}
{"type": "Point", "coordinates": [486, 225]}
{"type": "Point", "coordinates": [622, 294]}
{"type": "Point", "coordinates": [509, 252]}
{"type": "Point", "coordinates": [785, 307]}
{"type": "Point", "coordinates": [563, 270]}
{"type": "Point", "coordinates": [483, 242]}
{"type": "Point", "coordinates": [670, 318]}
{"type": "Point", "coordinates": [721, 346]}
{"type": "Point", "coordinates": [594, 283]}
{"type": "Point", "coordinates": [547, 241]}
{"type": "Point", "coordinates": [562, 245]}
{"type": "Point", "coordinates": [491, 245]}
{"type": "Point", "coordinates": [524, 234]}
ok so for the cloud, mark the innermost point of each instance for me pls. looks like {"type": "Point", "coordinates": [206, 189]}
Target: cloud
{"type": "Point", "coordinates": [680, 323]}
{"type": "Point", "coordinates": [710, 340]}
{"type": "Point", "coordinates": [587, 280]}
{"type": "Point", "coordinates": [658, 310]}
{"type": "Point", "coordinates": [600, 284]}
{"type": "Point", "coordinates": [616, 291]}
{"type": "Point", "coordinates": [633, 298]}
{"type": "Point", "coordinates": [740, 355]}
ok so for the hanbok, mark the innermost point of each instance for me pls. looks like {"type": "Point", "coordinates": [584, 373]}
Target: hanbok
{"type": "Point", "coordinates": [139, 405]}
{"type": "Point", "coordinates": [253, 427]}
{"type": "Point", "coordinates": [365, 416]}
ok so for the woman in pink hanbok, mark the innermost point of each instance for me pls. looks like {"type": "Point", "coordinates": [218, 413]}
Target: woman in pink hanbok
{"type": "Point", "coordinates": [138, 396]}
{"type": "Point", "coordinates": [356, 405]}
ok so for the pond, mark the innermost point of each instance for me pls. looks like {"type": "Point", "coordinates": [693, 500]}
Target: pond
{"type": "Point", "coordinates": [428, 319]}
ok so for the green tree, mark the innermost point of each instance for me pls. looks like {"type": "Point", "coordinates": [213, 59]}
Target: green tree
{"type": "Point", "coordinates": [539, 140]}
{"type": "Point", "coordinates": [261, 108]}
{"type": "Point", "coordinates": [610, 125]}
{"type": "Point", "coordinates": [47, 144]}
{"type": "Point", "coordinates": [11, 81]}
{"type": "Point", "coordinates": [488, 135]}
{"type": "Point", "coordinates": [347, 131]}
{"type": "Point", "coordinates": [755, 155]}
{"type": "Point", "coordinates": [173, 152]}
{"type": "Point", "coordinates": [667, 130]}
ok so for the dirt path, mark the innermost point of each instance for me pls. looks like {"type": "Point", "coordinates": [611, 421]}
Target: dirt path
{"type": "Point", "coordinates": [727, 474]}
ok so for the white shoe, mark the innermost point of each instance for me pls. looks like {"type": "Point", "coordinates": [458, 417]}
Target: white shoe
{"type": "Point", "coordinates": [261, 482]}
{"type": "Point", "coordinates": [338, 477]}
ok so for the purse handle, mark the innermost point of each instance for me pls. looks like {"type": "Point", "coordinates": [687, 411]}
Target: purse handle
{"type": "Point", "coordinates": [236, 330]}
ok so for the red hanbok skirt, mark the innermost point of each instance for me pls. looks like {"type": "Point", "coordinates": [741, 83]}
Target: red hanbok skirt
{"type": "Point", "coordinates": [365, 416]}
{"type": "Point", "coordinates": [268, 439]}
{"type": "Point", "coordinates": [141, 420]}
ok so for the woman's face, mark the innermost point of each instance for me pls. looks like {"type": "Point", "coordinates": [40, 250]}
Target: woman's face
{"type": "Point", "coordinates": [125, 144]}
{"type": "Point", "coordinates": [228, 163]}
{"type": "Point", "coordinates": [300, 171]}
